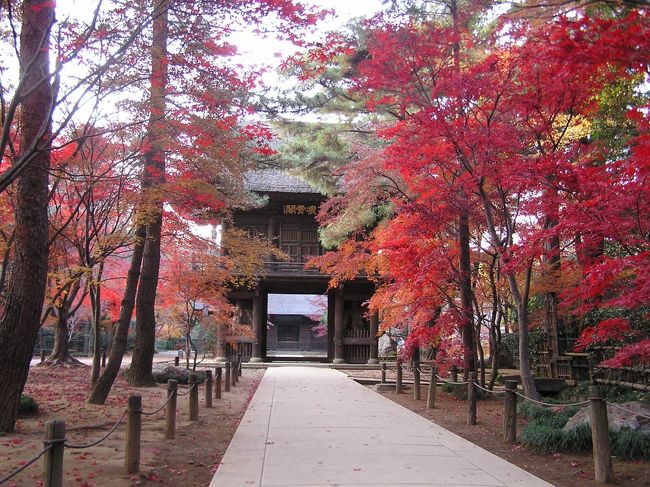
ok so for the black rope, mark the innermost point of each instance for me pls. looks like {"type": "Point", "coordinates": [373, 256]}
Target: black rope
{"type": "Point", "coordinates": [81, 447]}
{"type": "Point", "coordinates": [23, 467]}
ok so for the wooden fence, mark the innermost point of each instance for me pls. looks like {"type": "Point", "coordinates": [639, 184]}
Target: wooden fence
{"type": "Point", "coordinates": [55, 439]}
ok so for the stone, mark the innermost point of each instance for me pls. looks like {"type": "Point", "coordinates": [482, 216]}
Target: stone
{"type": "Point", "coordinates": [386, 345]}
{"type": "Point", "coordinates": [163, 372]}
{"type": "Point", "coordinates": [617, 418]}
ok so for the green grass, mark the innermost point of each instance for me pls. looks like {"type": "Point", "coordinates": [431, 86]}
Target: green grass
{"type": "Point", "coordinates": [630, 445]}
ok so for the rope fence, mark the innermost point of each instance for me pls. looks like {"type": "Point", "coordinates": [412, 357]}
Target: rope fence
{"type": "Point", "coordinates": [28, 464]}
{"type": "Point", "coordinates": [55, 441]}
{"type": "Point", "coordinates": [94, 443]}
{"type": "Point", "coordinates": [597, 402]}
{"type": "Point", "coordinates": [550, 404]}
{"type": "Point", "coordinates": [146, 413]}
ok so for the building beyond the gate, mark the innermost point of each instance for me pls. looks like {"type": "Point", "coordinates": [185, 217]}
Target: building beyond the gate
{"type": "Point", "coordinates": [288, 221]}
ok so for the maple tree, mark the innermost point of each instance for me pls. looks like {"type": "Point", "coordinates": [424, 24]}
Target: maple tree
{"type": "Point", "coordinates": [514, 115]}
{"type": "Point", "coordinates": [38, 103]}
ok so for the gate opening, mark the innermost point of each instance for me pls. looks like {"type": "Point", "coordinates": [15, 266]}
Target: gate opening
{"type": "Point", "coordinates": [296, 326]}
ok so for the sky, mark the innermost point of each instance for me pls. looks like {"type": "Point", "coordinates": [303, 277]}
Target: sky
{"type": "Point", "coordinates": [263, 51]}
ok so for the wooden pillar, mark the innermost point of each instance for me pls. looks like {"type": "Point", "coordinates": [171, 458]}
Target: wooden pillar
{"type": "Point", "coordinates": [53, 465]}
{"type": "Point", "coordinates": [208, 388]}
{"type": "Point", "coordinates": [194, 397]}
{"type": "Point", "coordinates": [603, 469]}
{"type": "Point", "coordinates": [133, 431]}
{"type": "Point", "coordinates": [338, 327]}
{"type": "Point", "coordinates": [226, 378]}
{"type": "Point", "coordinates": [374, 340]}
{"type": "Point", "coordinates": [217, 383]}
{"type": "Point", "coordinates": [258, 326]}
{"type": "Point", "coordinates": [454, 373]}
{"type": "Point", "coordinates": [272, 240]}
{"type": "Point", "coordinates": [170, 427]}
{"type": "Point", "coordinates": [383, 372]}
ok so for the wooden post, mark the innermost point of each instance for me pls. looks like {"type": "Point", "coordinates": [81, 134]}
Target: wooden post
{"type": "Point", "coordinates": [431, 396]}
{"type": "Point", "coordinates": [170, 427]}
{"type": "Point", "coordinates": [194, 396]}
{"type": "Point", "coordinates": [176, 361]}
{"type": "Point", "coordinates": [383, 372]}
{"type": "Point", "coordinates": [454, 373]}
{"type": "Point", "coordinates": [217, 382]}
{"type": "Point", "coordinates": [417, 393]}
{"type": "Point", "coordinates": [42, 355]}
{"type": "Point", "coordinates": [603, 470]}
{"type": "Point", "coordinates": [208, 388]}
{"type": "Point", "coordinates": [104, 358]}
{"type": "Point", "coordinates": [133, 429]}
{"type": "Point", "coordinates": [233, 374]}
{"type": "Point", "coordinates": [471, 399]}
{"type": "Point", "coordinates": [510, 412]}
{"type": "Point", "coordinates": [226, 379]}
{"type": "Point", "coordinates": [53, 464]}
{"type": "Point", "coordinates": [398, 381]}
{"type": "Point", "coordinates": [239, 367]}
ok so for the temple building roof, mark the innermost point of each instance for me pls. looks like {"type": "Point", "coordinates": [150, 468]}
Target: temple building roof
{"type": "Point", "coordinates": [276, 181]}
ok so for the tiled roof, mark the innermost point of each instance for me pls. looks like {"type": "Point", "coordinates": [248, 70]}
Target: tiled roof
{"type": "Point", "coordinates": [275, 181]}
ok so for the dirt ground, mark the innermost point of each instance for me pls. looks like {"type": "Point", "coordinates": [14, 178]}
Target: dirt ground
{"type": "Point", "coordinates": [190, 459]}
{"type": "Point", "coordinates": [560, 469]}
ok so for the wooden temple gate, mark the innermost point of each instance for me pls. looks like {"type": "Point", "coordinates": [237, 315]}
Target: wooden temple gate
{"type": "Point", "coordinates": [288, 222]}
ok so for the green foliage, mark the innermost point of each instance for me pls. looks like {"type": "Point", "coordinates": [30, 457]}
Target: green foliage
{"type": "Point", "coordinates": [542, 438]}
{"type": "Point", "coordinates": [27, 405]}
{"type": "Point", "coordinates": [536, 340]}
{"type": "Point", "coordinates": [577, 439]}
{"type": "Point", "coordinates": [545, 434]}
{"type": "Point", "coordinates": [547, 415]}
{"type": "Point", "coordinates": [630, 445]}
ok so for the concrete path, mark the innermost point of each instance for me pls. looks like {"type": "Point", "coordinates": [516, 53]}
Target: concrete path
{"type": "Point", "coordinates": [316, 427]}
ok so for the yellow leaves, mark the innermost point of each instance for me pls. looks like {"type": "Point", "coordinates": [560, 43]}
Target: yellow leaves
{"type": "Point", "coordinates": [569, 128]}
{"type": "Point", "coordinates": [248, 255]}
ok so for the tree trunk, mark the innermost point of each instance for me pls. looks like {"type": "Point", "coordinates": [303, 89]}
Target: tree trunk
{"type": "Point", "coordinates": [521, 300]}
{"type": "Point", "coordinates": [552, 268]}
{"type": "Point", "coordinates": [26, 287]}
{"type": "Point", "coordinates": [154, 174]}
{"type": "Point", "coordinates": [95, 304]}
{"type": "Point", "coordinates": [61, 350]}
{"type": "Point", "coordinates": [467, 330]}
{"type": "Point", "coordinates": [102, 387]}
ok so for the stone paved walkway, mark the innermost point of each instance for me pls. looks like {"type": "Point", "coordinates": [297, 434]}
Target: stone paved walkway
{"type": "Point", "coordinates": [315, 427]}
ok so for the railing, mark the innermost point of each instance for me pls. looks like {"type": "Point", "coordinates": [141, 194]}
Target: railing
{"type": "Point", "coordinates": [289, 268]}
{"type": "Point", "coordinates": [245, 348]}
{"type": "Point", "coordinates": [55, 441]}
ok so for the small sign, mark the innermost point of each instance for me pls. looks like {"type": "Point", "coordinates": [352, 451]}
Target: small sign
{"type": "Point", "coordinates": [300, 209]}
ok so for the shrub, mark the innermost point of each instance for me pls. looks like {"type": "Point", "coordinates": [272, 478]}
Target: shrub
{"type": "Point", "coordinates": [577, 439]}
{"type": "Point", "coordinates": [545, 414]}
{"type": "Point", "coordinates": [630, 445]}
{"type": "Point", "coordinates": [542, 438]}
{"type": "Point", "coordinates": [27, 405]}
